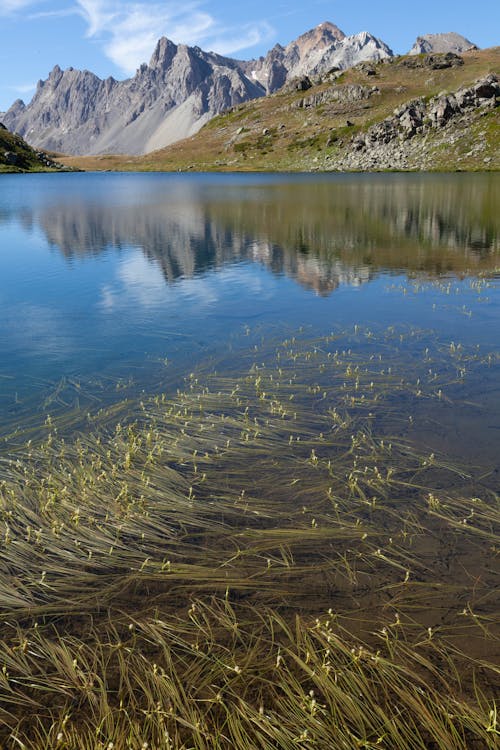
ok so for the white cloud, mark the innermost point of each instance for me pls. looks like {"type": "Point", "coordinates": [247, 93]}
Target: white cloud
{"type": "Point", "coordinates": [98, 15]}
{"type": "Point", "coordinates": [54, 13]}
{"type": "Point", "coordinates": [135, 33]}
{"type": "Point", "coordinates": [130, 30]}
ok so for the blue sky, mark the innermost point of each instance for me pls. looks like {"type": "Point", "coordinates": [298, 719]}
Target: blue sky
{"type": "Point", "coordinates": [112, 37]}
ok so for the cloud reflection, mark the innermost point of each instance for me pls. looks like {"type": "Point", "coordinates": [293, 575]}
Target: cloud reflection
{"type": "Point", "coordinates": [322, 234]}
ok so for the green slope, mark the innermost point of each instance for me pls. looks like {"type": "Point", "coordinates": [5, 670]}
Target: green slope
{"type": "Point", "coordinates": [17, 156]}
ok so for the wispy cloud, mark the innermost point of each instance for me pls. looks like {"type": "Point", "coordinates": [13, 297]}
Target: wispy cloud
{"type": "Point", "coordinates": [228, 40]}
{"type": "Point", "coordinates": [23, 88]}
{"type": "Point", "coordinates": [54, 13]}
{"type": "Point", "coordinates": [130, 30]}
{"type": "Point", "coordinates": [10, 7]}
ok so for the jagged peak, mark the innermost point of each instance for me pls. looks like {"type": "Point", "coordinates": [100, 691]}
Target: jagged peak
{"type": "Point", "coordinates": [364, 37]}
{"type": "Point", "coordinates": [367, 39]}
{"type": "Point", "coordinates": [17, 105]}
{"type": "Point", "coordinates": [325, 28]}
{"type": "Point", "coordinates": [324, 33]}
{"type": "Point", "coordinates": [53, 79]}
{"type": "Point", "coordinates": [163, 53]}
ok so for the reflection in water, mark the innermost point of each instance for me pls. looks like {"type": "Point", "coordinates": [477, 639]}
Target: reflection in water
{"type": "Point", "coordinates": [148, 267]}
{"type": "Point", "coordinates": [189, 240]}
{"type": "Point", "coordinates": [322, 234]}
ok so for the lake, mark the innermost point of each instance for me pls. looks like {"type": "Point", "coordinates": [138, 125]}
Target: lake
{"type": "Point", "coordinates": [284, 387]}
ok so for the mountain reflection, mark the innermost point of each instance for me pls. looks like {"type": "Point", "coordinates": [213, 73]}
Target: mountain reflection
{"type": "Point", "coordinates": [320, 233]}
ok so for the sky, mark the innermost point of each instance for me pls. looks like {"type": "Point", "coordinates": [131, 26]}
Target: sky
{"type": "Point", "coordinates": [113, 37]}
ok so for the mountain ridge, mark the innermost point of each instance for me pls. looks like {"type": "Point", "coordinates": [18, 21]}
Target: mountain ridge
{"type": "Point", "coordinates": [179, 91]}
{"type": "Point", "coordinates": [173, 95]}
{"type": "Point", "coordinates": [77, 112]}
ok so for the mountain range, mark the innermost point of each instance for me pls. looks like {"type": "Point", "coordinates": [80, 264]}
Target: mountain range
{"type": "Point", "coordinates": [182, 88]}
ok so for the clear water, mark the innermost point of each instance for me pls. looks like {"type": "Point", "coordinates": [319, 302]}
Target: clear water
{"type": "Point", "coordinates": [107, 279]}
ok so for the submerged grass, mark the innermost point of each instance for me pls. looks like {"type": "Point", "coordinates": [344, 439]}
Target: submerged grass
{"type": "Point", "coordinates": [261, 559]}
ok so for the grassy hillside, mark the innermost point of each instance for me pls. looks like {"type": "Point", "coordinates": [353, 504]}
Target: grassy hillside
{"type": "Point", "coordinates": [284, 132]}
{"type": "Point", "coordinates": [17, 156]}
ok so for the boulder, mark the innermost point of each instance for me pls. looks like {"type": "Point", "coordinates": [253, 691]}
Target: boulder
{"type": "Point", "coordinates": [11, 158]}
{"type": "Point", "coordinates": [302, 84]}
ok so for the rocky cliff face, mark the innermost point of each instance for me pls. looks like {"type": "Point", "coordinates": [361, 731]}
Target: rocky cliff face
{"type": "Point", "coordinates": [313, 54]}
{"type": "Point", "coordinates": [76, 112]}
{"type": "Point", "coordinates": [182, 87]}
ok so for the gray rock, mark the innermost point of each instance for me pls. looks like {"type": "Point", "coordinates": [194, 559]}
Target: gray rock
{"type": "Point", "coordinates": [386, 144]}
{"type": "Point", "coordinates": [343, 94]}
{"type": "Point", "coordinates": [447, 42]}
{"type": "Point", "coordinates": [322, 51]}
{"type": "Point", "coordinates": [435, 61]}
{"type": "Point", "coordinates": [303, 84]}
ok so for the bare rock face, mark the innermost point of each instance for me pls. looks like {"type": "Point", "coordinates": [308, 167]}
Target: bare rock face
{"type": "Point", "coordinates": [449, 42]}
{"type": "Point", "coordinates": [314, 54]}
{"type": "Point", "coordinates": [76, 112]}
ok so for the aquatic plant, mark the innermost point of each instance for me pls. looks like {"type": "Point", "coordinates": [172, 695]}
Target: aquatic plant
{"type": "Point", "coordinates": [271, 557]}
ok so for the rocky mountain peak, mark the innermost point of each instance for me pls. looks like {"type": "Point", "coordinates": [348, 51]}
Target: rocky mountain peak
{"type": "Point", "coordinates": [323, 35]}
{"type": "Point", "coordinates": [182, 88]}
{"type": "Point", "coordinates": [53, 80]}
{"type": "Point", "coordinates": [163, 54]}
{"type": "Point", "coordinates": [314, 53]}
{"type": "Point", "coordinates": [447, 42]}
{"type": "Point", "coordinates": [17, 108]}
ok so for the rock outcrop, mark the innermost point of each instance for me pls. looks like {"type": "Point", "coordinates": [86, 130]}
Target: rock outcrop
{"type": "Point", "coordinates": [434, 61]}
{"type": "Point", "coordinates": [342, 94]}
{"type": "Point", "coordinates": [449, 42]}
{"type": "Point", "coordinates": [388, 143]}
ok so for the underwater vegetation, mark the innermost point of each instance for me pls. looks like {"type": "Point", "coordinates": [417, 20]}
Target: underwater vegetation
{"type": "Point", "coordinates": [278, 554]}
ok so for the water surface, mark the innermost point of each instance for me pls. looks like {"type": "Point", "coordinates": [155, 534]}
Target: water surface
{"type": "Point", "coordinates": [110, 279]}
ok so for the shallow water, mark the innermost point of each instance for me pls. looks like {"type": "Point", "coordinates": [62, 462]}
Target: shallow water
{"type": "Point", "coordinates": [250, 397]}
